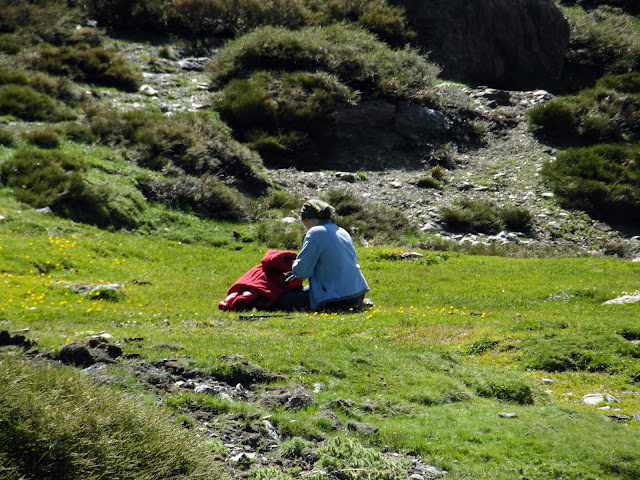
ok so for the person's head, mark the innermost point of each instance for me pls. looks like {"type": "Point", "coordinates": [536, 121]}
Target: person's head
{"type": "Point", "coordinates": [314, 212]}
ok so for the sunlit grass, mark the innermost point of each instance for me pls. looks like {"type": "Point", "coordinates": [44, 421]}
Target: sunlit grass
{"type": "Point", "coordinates": [432, 364]}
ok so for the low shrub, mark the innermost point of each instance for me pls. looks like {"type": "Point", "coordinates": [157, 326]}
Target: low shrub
{"type": "Point", "coordinates": [197, 144]}
{"type": "Point", "coordinates": [369, 222]}
{"type": "Point", "coordinates": [516, 219]}
{"type": "Point", "coordinates": [206, 196]}
{"type": "Point", "coordinates": [428, 182]}
{"type": "Point", "coordinates": [198, 18]}
{"type": "Point", "coordinates": [90, 64]}
{"type": "Point", "coordinates": [47, 137]}
{"type": "Point", "coordinates": [506, 390]}
{"type": "Point", "coordinates": [40, 178]}
{"type": "Point", "coordinates": [347, 459]}
{"type": "Point", "coordinates": [357, 58]}
{"type": "Point", "coordinates": [472, 216]}
{"type": "Point", "coordinates": [27, 104]}
{"type": "Point", "coordinates": [602, 180]}
{"type": "Point", "coordinates": [480, 216]}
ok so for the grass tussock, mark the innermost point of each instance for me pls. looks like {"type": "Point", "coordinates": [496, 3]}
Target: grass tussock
{"type": "Point", "coordinates": [478, 216]}
{"type": "Point", "coordinates": [57, 424]}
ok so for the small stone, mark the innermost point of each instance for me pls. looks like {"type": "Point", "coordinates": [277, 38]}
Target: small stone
{"type": "Point", "coordinates": [547, 381]}
{"type": "Point", "coordinates": [396, 184]}
{"type": "Point", "coordinates": [623, 299]}
{"type": "Point", "coordinates": [508, 415]}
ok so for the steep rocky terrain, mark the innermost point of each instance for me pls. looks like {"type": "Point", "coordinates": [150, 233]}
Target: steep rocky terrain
{"type": "Point", "coordinates": [502, 167]}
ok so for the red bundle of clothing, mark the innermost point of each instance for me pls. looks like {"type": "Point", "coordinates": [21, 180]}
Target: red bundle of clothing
{"type": "Point", "coordinates": [263, 284]}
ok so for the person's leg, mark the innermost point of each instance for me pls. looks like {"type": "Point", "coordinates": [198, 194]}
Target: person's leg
{"type": "Point", "coordinates": [351, 304]}
{"type": "Point", "coordinates": [293, 301]}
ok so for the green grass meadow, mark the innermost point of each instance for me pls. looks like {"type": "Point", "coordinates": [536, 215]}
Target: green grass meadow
{"type": "Point", "coordinates": [453, 341]}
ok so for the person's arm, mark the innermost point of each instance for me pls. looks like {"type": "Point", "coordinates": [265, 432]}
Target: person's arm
{"type": "Point", "coordinates": [305, 264]}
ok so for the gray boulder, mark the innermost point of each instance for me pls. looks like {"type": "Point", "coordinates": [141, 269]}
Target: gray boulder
{"type": "Point", "coordinates": [512, 44]}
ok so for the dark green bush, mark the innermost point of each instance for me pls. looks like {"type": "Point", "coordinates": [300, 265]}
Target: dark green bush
{"type": "Point", "coordinates": [594, 115]}
{"type": "Point", "coordinates": [27, 104]}
{"type": "Point", "coordinates": [601, 41]}
{"type": "Point", "coordinates": [602, 180]}
{"type": "Point", "coordinates": [367, 221]}
{"type": "Point", "coordinates": [47, 137]}
{"type": "Point", "coordinates": [90, 64]}
{"type": "Point", "coordinates": [624, 83]}
{"type": "Point", "coordinates": [208, 18]}
{"type": "Point", "coordinates": [516, 219]}
{"type": "Point", "coordinates": [7, 137]}
{"type": "Point", "coordinates": [554, 118]}
{"type": "Point", "coordinates": [206, 196]}
{"type": "Point", "coordinates": [283, 114]}
{"type": "Point", "coordinates": [429, 182]}
{"type": "Point", "coordinates": [355, 56]}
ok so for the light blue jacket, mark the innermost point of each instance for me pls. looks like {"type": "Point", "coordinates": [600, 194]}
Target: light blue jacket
{"type": "Point", "coordinates": [329, 261]}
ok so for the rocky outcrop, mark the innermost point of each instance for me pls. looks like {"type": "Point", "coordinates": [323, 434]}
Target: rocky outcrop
{"type": "Point", "coordinates": [514, 44]}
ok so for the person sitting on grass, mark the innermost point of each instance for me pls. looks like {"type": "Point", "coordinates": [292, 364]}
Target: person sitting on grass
{"type": "Point", "coordinates": [328, 259]}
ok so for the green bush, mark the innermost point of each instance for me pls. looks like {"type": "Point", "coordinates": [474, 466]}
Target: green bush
{"type": "Point", "coordinates": [27, 104]}
{"type": "Point", "coordinates": [95, 65]}
{"type": "Point", "coordinates": [47, 137]}
{"type": "Point", "coordinates": [40, 178]}
{"type": "Point", "coordinates": [197, 144]}
{"type": "Point", "coordinates": [57, 423]}
{"type": "Point", "coordinates": [285, 236]}
{"type": "Point", "coordinates": [516, 219]}
{"type": "Point", "coordinates": [369, 222]}
{"type": "Point", "coordinates": [602, 180]}
{"type": "Point", "coordinates": [554, 118]}
{"type": "Point", "coordinates": [208, 18]}
{"type": "Point", "coordinates": [355, 56]}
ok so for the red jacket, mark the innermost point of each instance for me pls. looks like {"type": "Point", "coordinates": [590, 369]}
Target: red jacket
{"type": "Point", "coordinates": [265, 281]}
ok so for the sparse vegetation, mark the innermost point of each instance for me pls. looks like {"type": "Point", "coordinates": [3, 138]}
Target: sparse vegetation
{"type": "Point", "coordinates": [477, 216]}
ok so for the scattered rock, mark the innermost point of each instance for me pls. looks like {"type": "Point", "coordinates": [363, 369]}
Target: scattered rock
{"type": "Point", "coordinates": [291, 398]}
{"type": "Point", "coordinates": [362, 428]}
{"type": "Point", "coordinates": [508, 415]}
{"type": "Point", "coordinates": [597, 398]}
{"type": "Point", "coordinates": [623, 299]}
